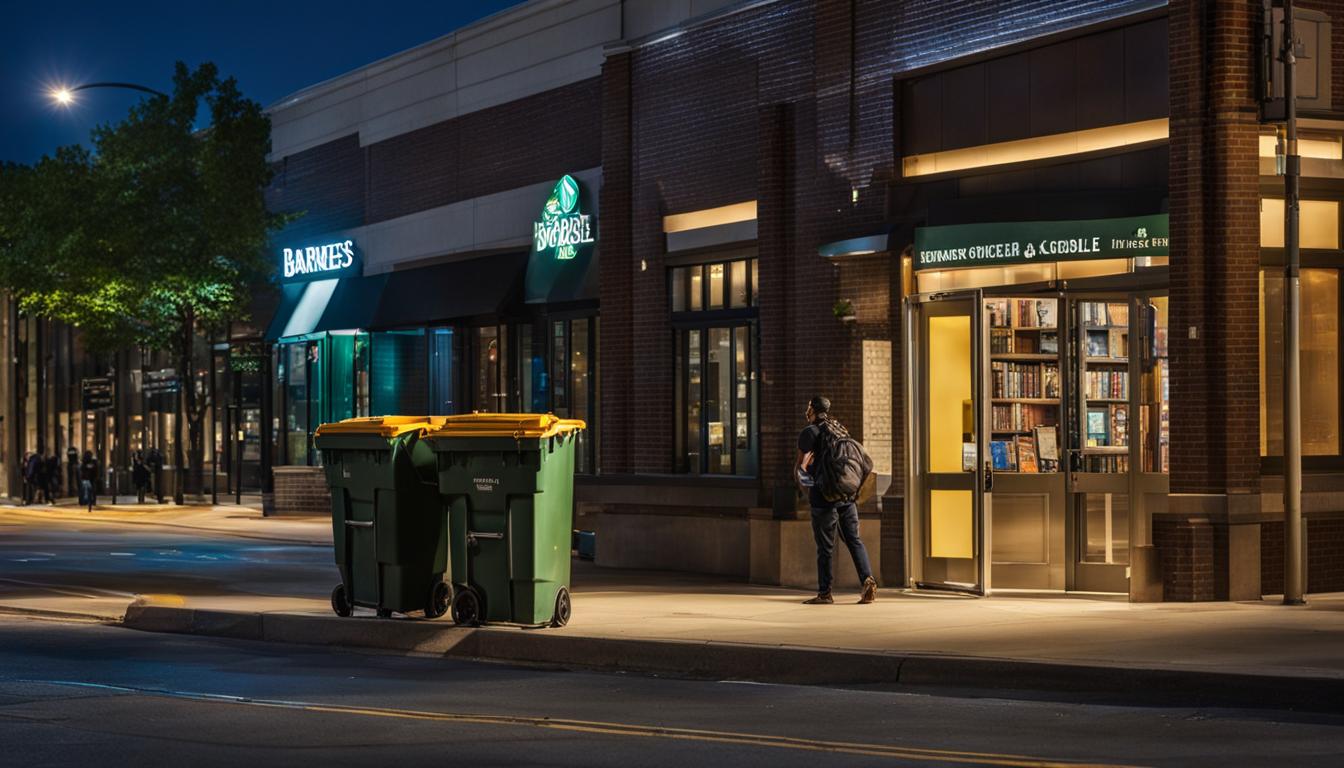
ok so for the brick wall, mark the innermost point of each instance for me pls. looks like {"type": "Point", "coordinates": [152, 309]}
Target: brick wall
{"type": "Point", "coordinates": [300, 491]}
{"type": "Point", "coordinates": [1325, 554]}
{"type": "Point", "coordinates": [1215, 251]}
{"type": "Point", "coordinates": [616, 356]}
{"type": "Point", "coordinates": [538, 138]}
{"type": "Point", "coordinates": [1193, 554]}
{"type": "Point", "coordinates": [342, 185]}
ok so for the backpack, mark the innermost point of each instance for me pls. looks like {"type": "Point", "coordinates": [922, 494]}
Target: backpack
{"type": "Point", "coordinates": [842, 463]}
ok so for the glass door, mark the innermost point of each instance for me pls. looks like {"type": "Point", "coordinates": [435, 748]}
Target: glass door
{"type": "Point", "coordinates": [1101, 451]}
{"type": "Point", "coordinates": [1027, 521]}
{"type": "Point", "coordinates": [952, 471]}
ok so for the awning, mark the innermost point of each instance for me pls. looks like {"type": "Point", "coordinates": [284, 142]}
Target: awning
{"type": "Point", "coordinates": [855, 246]}
{"type": "Point", "coordinates": [486, 285]}
{"type": "Point", "coordinates": [551, 280]}
{"type": "Point", "coordinates": [326, 305]}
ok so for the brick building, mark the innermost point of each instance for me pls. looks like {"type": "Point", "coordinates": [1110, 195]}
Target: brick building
{"type": "Point", "coordinates": [1027, 248]}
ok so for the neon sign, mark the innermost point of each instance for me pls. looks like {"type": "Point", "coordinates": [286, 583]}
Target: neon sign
{"type": "Point", "coordinates": [316, 262]}
{"type": "Point", "coordinates": [564, 228]}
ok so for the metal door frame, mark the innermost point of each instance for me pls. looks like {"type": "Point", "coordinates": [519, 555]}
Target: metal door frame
{"type": "Point", "coordinates": [917, 477]}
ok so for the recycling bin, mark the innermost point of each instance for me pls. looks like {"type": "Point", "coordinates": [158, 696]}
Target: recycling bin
{"type": "Point", "coordinates": [388, 531]}
{"type": "Point", "coordinates": [506, 481]}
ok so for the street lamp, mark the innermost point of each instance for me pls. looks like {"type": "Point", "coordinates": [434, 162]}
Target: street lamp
{"type": "Point", "coordinates": [65, 95]}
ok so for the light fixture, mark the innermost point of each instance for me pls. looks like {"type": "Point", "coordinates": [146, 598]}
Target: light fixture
{"type": "Point", "coordinates": [62, 96]}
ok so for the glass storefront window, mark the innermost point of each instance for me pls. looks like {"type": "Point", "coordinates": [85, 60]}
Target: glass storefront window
{"type": "Point", "coordinates": [399, 377]}
{"type": "Point", "coordinates": [441, 369]}
{"type": "Point", "coordinates": [341, 353]}
{"type": "Point", "coordinates": [361, 363]}
{"type": "Point", "coordinates": [296, 424]}
{"type": "Point", "coordinates": [1319, 333]}
{"type": "Point", "coordinates": [715, 367]}
{"type": "Point", "coordinates": [739, 284]}
{"type": "Point", "coordinates": [492, 392]}
{"type": "Point", "coordinates": [1154, 382]}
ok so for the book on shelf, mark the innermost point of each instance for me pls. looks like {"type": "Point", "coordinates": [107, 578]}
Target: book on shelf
{"type": "Point", "coordinates": [1118, 314]}
{"type": "Point", "coordinates": [1106, 385]}
{"type": "Point", "coordinates": [1026, 454]}
{"type": "Point", "coordinates": [1049, 342]}
{"type": "Point", "coordinates": [1024, 380]}
{"type": "Point", "coordinates": [1047, 443]}
{"type": "Point", "coordinates": [1119, 343]}
{"type": "Point", "coordinates": [1035, 313]}
{"type": "Point", "coordinates": [1003, 456]}
{"type": "Point", "coordinates": [1093, 313]}
{"type": "Point", "coordinates": [1119, 425]}
{"type": "Point", "coordinates": [998, 312]}
{"type": "Point", "coordinates": [1001, 340]}
{"type": "Point", "coordinates": [1098, 343]}
{"type": "Point", "coordinates": [1096, 427]}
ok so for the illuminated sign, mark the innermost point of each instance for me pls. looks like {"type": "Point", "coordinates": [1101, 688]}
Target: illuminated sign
{"type": "Point", "coordinates": [564, 228]}
{"type": "Point", "coordinates": [1020, 242]}
{"type": "Point", "coordinates": [319, 262]}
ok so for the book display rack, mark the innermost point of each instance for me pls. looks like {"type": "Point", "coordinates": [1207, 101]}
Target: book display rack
{"type": "Point", "coordinates": [1025, 395]}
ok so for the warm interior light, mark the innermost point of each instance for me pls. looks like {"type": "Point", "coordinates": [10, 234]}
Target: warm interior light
{"type": "Point", "coordinates": [710, 217]}
{"type": "Point", "coordinates": [1036, 148]}
{"type": "Point", "coordinates": [1321, 147]}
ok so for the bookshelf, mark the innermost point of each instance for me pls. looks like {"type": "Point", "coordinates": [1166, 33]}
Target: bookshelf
{"type": "Point", "coordinates": [1025, 392]}
{"type": "Point", "coordinates": [1103, 385]}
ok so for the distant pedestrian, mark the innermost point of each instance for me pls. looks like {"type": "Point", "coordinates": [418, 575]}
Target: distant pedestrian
{"type": "Point", "coordinates": [139, 476]}
{"type": "Point", "coordinates": [154, 461]}
{"type": "Point", "coordinates": [32, 468]}
{"type": "Point", "coordinates": [88, 477]}
{"type": "Point", "coordinates": [823, 467]}
{"type": "Point", "coordinates": [53, 484]}
{"type": "Point", "coordinates": [40, 492]}
{"type": "Point", "coordinates": [72, 469]}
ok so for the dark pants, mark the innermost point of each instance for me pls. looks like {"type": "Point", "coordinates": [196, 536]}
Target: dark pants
{"type": "Point", "coordinates": [825, 520]}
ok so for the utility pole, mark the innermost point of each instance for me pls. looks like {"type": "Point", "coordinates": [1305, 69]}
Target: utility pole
{"type": "Point", "coordinates": [1293, 567]}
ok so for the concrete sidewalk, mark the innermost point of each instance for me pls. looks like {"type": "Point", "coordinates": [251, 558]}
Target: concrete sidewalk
{"type": "Point", "coordinates": [222, 519]}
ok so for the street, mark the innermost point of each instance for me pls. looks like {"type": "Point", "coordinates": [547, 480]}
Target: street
{"type": "Point", "coordinates": [97, 567]}
{"type": "Point", "coordinates": [82, 693]}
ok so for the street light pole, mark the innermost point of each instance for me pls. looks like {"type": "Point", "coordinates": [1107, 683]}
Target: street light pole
{"type": "Point", "coordinates": [1292, 406]}
{"type": "Point", "coordinates": [66, 95]}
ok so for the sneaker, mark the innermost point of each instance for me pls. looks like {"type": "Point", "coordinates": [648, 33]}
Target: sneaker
{"type": "Point", "coordinates": [869, 591]}
{"type": "Point", "coordinates": [822, 598]}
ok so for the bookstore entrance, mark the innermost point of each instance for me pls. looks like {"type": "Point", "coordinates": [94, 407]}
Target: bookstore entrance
{"type": "Point", "coordinates": [1038, 425]}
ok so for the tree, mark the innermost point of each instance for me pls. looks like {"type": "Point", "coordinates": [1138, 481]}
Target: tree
{"type": "Point", "coordinates": [154, 238]}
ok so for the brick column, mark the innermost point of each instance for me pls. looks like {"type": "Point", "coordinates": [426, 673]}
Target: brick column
{"type": "Point", "coordinates": [779, 412]}
{"type": "Point", "coordinates": [1215, 257]}
{"type": "Point", "coordinates": [616, 359]}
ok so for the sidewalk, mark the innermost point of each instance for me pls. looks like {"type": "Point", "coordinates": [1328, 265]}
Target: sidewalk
{"type": "Point", "coordinates": [697, 625]}
{"type": "Point", "coordinates": [244, 521]}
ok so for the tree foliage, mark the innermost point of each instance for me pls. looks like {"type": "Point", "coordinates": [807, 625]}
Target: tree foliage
{"type": "Point", "coordinates": [154, 236]}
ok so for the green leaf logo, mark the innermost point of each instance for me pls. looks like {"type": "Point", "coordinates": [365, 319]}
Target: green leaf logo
{"type": "Point", "coordinates": [567, 193]}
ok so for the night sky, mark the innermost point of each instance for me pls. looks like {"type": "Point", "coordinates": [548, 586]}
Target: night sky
{"type": "Point", "coordinates": [273, 48]}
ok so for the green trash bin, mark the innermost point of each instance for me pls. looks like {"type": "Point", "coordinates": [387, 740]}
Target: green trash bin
{"type": "Point", "coordinates": [387, 528]}
{"type": "Point", "coordinates": [507, 483]}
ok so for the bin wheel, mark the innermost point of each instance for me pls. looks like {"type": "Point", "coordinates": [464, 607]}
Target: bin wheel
{"type": "Point", "coordinates": [384, 613]}
{"type": "Point", "coordinates": [562, 608]}
{"type": "Point", "coordinates": [466, 607]}
{"type": "Point", "coordinates": [340, 601]}
{"type": "Point", "coordinates": [440, 596]}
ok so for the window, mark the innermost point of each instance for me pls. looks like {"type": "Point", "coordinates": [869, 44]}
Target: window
{"type": "Point", "coordinates": [399, 379]}
{"type": "Point", "coordinates": [714, 316]}
{"type": "Point", "coordinates": [492, 369]}
{"type": "Point", "coordinates": [1319, 333]}
{"type": "Point", "coordinates": [573, 349]}
{"type": "Point", "coordinates": [442, 364]}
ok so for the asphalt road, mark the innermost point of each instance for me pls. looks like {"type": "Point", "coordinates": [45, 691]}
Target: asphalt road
{"type": "Point", "coordinates": [99, 567]}
{"type": "Point", "coordinates": [88, 694]}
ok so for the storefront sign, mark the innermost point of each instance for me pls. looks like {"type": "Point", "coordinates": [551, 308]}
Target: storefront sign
{"type": "Point", "coordinates": [96, 393]}
{"type": "Point", "coordinates": [246, 357]}
{"type": "Point", "coordinates": [319, 262]}
{"type": "Point", "coordinates": [564, 228]}
{"type": "Point", "coordinates": [161, 382]}
{"type": "Point", "coordinates": [1022, 242]}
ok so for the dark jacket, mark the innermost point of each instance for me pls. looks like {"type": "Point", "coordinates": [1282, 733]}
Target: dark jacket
{"type": "Point", "coordinates": [140, 475]}
{"type": "Point", "coordinates": [88, 470]}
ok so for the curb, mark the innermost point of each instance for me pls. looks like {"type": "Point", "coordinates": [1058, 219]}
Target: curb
{"type": "Point", "coordinates": [183, 527]}
{"type": "Point", "coordinates": [759, 663]}
{"type": "Point", "coordinates": [43, 613]}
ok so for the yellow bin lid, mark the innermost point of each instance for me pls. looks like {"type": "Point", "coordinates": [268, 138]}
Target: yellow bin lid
{"type": "Point", "coordinates": [382, 426]}
{"type": "Point", "coordinates": [514, 425]}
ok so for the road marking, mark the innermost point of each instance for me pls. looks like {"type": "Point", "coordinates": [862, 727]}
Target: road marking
{"type": "Point", "coordinates": [615, 729]}
{"type": "Point", "coordinates": [122, 554]}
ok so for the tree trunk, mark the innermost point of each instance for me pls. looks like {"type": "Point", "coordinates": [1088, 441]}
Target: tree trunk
{"type": "Point", "coordinates": [185, 401]}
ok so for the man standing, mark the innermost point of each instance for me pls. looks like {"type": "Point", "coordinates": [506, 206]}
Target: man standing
{"type": "Point", "coordinates": [829, 515]}
{"type": "Point", "coordinates": [154, 462]}
{"type": "Point", "coordinates": [88, 480]}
